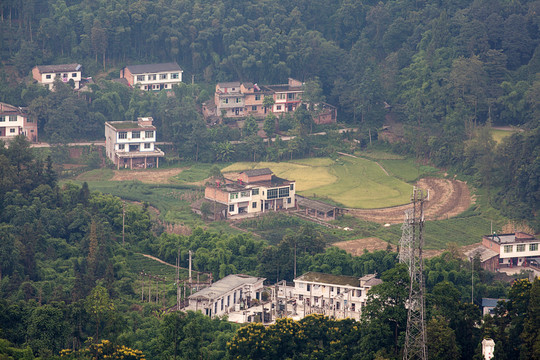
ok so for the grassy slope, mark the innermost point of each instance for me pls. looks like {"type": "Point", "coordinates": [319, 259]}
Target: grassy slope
{"type": "Point", "coordinates": [173, 200]}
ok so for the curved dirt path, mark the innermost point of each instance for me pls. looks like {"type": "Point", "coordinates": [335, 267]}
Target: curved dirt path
{"type": "Point", "coordinates": [447, 198]}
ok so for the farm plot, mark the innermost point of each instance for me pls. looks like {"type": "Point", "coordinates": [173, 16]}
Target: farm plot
{"type": "Point", "coordinates": [351, 182]}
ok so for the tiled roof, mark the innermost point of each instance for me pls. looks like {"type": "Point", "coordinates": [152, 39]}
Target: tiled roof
{"type": "Point", "coordinates": [258, 172]}
{"type": "Point", "coordinates": [229, 84]}
{"type": "Point", "coordinates": [59, 68]}
{"type": "Point", "coordinates": [153, 68]}
{"type": "Point", "coordinates": [223, 286]}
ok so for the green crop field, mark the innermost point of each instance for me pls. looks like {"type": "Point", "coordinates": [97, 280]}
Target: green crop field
{"type": "Point", "coordinates": [407, 169]}
{"type": "Point", "coordinates": [351, 182]}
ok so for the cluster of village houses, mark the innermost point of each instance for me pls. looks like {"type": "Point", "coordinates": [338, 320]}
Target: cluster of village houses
{"type": "Point", "coordinates": [132, 144]}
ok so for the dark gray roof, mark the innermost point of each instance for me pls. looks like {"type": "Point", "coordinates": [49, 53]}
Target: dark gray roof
{"type": "Point", "coordinates": [223, 286]}
{"type": "Point", "coordinates": [490, 302]}
{"type": "Point", "coordinates": [482, 252]}
{"type": "Point", "coordinates": [153, 68]}
{"type": "Point", "coordinates": [229, 84]}
{"type": "Point", "coordinates": [314, 204]}
{"type": "Point", "coordinates": [258, 172]}
{"type": "Point", "coordinates": [59, 68]}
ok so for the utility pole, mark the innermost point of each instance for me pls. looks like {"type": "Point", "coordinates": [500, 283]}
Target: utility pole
{"type": "Point", "coordinates": [415, 337]}
{"type": "Point", "coordinates": [123, 223]}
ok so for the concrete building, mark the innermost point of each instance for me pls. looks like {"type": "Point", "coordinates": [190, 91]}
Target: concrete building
{"type": "Point", "coordinates": [16, 121]}
{"type": "Point", "coordinates": [253, 191]}
{"type": "Point", "coordinates": [131, 144]}
{"type": "Point", "coordinates": [332, 295]}
{"type": "Point", "coordinates": [152, 77]}
{"type": "Point", "coordinates": [237, 100]}
{"type": "Point", "coordinates": [47, 74]}
{"type": "Point", "coordinates": [517, 249]}
{"type": "Point", "coordinates": [230, 294]}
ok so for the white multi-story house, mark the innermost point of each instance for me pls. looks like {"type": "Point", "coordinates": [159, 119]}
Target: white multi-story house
{"type": "Point", "coordinates": [132, 143]}
{"type": "Point", "coordinates": [332, 295]}
{"type": "Point", "coordinates": [232, 293]}
{"type": "Point", "coordinates": [46, 74]}
{"type": "Point", "coordinates": [15, 121]}
{"type": "Point", "coordinates": [153, 76]}
{"type": "Point", "coordinates": [516, 249]}
{"type": "Point", "coordinates": [253, 191]}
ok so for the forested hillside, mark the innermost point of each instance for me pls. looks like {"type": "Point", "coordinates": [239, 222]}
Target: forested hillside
{"type": "Point", "coordinates": [435, 61]}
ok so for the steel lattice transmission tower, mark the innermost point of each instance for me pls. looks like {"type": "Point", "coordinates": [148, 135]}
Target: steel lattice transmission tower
{"type": "Point", "coordinates": [405, 244]}
{"type": "Point", "coordinates": [415, 337]}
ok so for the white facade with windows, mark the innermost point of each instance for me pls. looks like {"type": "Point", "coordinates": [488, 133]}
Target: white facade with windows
{"type": "Point", "coordinates": [254, 191]}
{"type": "Point", "coordinates": [232, 293]}
{"type": "Point", "coordinates": [153, 77]}
{"type": "Point", "coordinates": [332, 295]}
{"type": "Point", "coordinates": [47, 74]}
{"type": "Point", "coordinates": [517, 249]}
{"type": "Point", "coordinates": [131, 143]}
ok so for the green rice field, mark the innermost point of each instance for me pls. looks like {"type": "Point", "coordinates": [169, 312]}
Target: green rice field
{"type": "Point", "coordinates": [351, 182]}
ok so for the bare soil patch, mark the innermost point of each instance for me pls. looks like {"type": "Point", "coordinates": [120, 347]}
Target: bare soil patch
{"type": "Point", "coordinates": [447, 198]}
{"type": "Point", "coordinates": [150, 176]}
{"type": "Point", "coordinates": [357, 247]}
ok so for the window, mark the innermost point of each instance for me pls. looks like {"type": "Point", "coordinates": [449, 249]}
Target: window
{"type": "Point", "coordinates": [359, 293]}
{"type": "Point", "coordinates": [12, 118]}
{"type": "Point", "coordinates": [284, 192]}
{"type": "Point", "coordinates": [174, 76]}
{"type": "Point", "coordinates": [280, 96]}
{"type": "Point", "coordinates": [331, 288]}
{"type": "Point", "coordinates": [149, 134]}
{"type": "Point", "coordinates": [353, 308]}
{"type": "Point", "coordinates": [64, 76]}
{"type": "Point", "coordinates": [255, 192]}
{"type": "Point", "coordinates": [338, 290]}
{"type": "Point", "coordinates": [29, 120]}
{"type": "Point", "coordinates": [74, 75]}
{"type": "Point", "coordinates": [244, 194]}
{"type": "Point", "coordinates": [48, 76]}
{"type": "Point", "coordinates": [289, 200]}
{"type": "Point", "coordinates": [136, 134]}
{"type": "Point", "coordinates": [508, 248]}
{"type": "Point", "coordinates": [152, 77]}
{"type": "Point", "coordinates": [12, 131]}
{"type": "Point", "coordinates": [533, 247]}
{"type": "Point", "coordinates": [254, 205]}
{"type": "Point", "coordinates": [290, 96]}
{"type": "Point", "coordinates": [234, 298]}
{"type": "Point", "coordinates": [272, 193]}
{"type": "Point", "coordinates": [228, 300]}
{"type": "Point", "coordinates": [231, 208]}
{"type": "Point", "coordinates": [238, 100]}
{"type": "Point", "coordinates": [2, 119]}
{"type": "Point", "coordinates": [292, 187]}
{"type": "Point", "coordinates": [257, 97]}
{"type": "Point", "coordinates": [520, 248]}
{"type": "Point", "coordinates": [308, 287]}
{"type": "Point", "coordinates": [147, 145]}
{"type": "Point", "coordinates": [122, 135]}
{"type": "Point", "coordinates": [234, 196]}
{"type": "Point", "coordinates": [225, 101]}
{"type": "Point", "coordinates": [145, 87]}
{"type": "Point", "coordinates": [300, 297]}
{"type": "Point", "coordinates": [141, 77]}
{"type": "Point", "coordinates": [278, 108]}
{"type": "Point", "coordinates": [254, 108]}
{"type": "Point", "coordinates": [121, 146]}
{"type": "Point", "coordinates": [162, 76]}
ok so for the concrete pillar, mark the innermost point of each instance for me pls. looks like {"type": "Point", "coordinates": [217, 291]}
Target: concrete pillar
{"type": "Point", "coordinates": [131, 163]}
{"type": "Point", "coordinates": [157, 162]}
{"type": "Point", "coordinates": [145, 161]}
